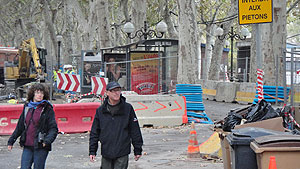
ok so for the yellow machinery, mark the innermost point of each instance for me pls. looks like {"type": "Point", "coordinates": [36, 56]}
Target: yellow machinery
{"type": "Point", "coordinates": [27, 52]}
{"type": "Point", "coordinates": [31, 65]}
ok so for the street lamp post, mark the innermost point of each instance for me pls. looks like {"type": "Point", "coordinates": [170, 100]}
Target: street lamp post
{"type": "Point", "coordinates": [232, 35]}
{"type": "Point", "coordinates": [59, 39]}
{"type": "Point", "coordinates": [145, 32]}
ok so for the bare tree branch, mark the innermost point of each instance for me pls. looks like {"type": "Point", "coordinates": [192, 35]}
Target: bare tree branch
{"type": "Point", "coordinates": [292, 6]}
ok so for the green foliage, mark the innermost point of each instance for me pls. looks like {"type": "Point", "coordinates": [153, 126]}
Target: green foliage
{"type": "Point", "coordinates": [206, 9]}
{"type": "Point", "coordinates": [84, 6]}
{"type": "Point", "coordinates": [22, 2]}
{"type": "Point", "coordinates": [155, 9]}
{"type": "Point", "coordinates": [293, 22]}
{"type": "Point", "coordinates": [153, 12]}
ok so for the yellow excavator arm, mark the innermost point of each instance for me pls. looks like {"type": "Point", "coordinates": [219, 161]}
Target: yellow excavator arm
{"type": "Point", "coordinates": [28, 48]}
{"type": "Point", "coordinates": [35, 56]}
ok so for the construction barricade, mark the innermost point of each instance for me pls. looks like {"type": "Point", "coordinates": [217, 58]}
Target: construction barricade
{"type": "Point", "coordinates": [75, 118]}
{"type": "Point", "coordinates": [245, 93]}
{"type": "Point", "coordinates": [155, 110]}
{"type": "Point", "coordinates": [269, 94]}
{"type": "Point", "coordinates": [9, 115]}
{"type": "Point", "coordinates": [71, 118]}
{"type": "Point", "coordinates": [194, 103]}
{"type": "Point", "coordinates": [159, 110]}
{"type": "Point", "coordinates": [209, 88]}
{"type": "Point", "coordinates": [226, 92]}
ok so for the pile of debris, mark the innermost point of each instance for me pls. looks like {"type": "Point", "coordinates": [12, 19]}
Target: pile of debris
{"type": "Point", "coordinates": [256, 113]}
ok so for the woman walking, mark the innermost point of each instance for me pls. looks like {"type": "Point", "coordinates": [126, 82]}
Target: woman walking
{"type": "Point", "coordinates": [36, 128]}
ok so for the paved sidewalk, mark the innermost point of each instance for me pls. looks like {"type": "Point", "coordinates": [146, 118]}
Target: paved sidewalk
{"type": "Point", "coordinates": [164, 148]}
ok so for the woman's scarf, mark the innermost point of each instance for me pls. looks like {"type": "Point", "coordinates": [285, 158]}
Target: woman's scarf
{"type": "Point", "coordinates": [32, 104]}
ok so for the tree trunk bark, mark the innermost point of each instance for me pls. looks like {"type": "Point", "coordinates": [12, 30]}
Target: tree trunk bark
{"type": "Point", "coordinates": [49, 25]}
{"type": "Point", "coordinates": [68, 43]}
{"type": "Point", "coordinates": [104, 24]}
{"type": "Point", "coordinates": [124, 7]}
{"type": "Point", "coordinates": [167, 17]}
{"type": "Point", "coordinates": [188, 40]}
{"type": "Point", "coordinates": [214, 71]}
{"type": "Point", "coordinates": [139, 10]}
{"type": "Point", "coordinates": [208, 50]}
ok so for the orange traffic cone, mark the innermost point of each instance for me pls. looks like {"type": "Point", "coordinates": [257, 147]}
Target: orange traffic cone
{"type": "Point", "coordinates": [193, 147]}
{"type": "Point", "coordinates": [272, 163]}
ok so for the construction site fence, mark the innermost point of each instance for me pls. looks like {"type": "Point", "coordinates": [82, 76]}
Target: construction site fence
{"type": "Point", "coordinates": [145, 76]}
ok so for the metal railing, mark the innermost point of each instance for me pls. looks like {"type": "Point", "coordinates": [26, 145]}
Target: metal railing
{"type": "Point", "coordinates": [292, 73]}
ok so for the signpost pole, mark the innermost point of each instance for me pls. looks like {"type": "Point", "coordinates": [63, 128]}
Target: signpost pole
{"type": "Point", "coordinates": [256, 12]}
{"type": "Point", "coordinates": [258, 46]}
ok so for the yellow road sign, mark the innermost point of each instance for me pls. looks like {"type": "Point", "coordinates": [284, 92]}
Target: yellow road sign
{"type": "Point", "coordinates": [255, 11]}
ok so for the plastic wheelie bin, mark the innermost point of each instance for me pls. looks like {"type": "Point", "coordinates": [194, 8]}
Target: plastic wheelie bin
{"type": "Point", "coordinates": [225, 148]}
{"type": "Point", "coordinates": [286, 150]}
{"type": "Point", "coordinates": [242, 156]}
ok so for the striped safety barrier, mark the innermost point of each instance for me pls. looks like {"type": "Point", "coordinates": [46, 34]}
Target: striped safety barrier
{"type": "Point", "coordinates": [289, 117]}
{"type": "Point", "coordinates": [292, 119]}
{"type": "Point", "coordinates": [79, 95]}
{"type": "Point", "coordinates": [226, 76]}
{"type": "Point", "coordinates": [68, 82]}
{"type": "Point", "coordinates": [260, 83]}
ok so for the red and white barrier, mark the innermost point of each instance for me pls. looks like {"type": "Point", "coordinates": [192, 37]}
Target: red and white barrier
{"type": "Point", "coordinates": [68, 82]}
{"type": "Point", "coordinates": [71, 118]}
{"type": "Point", "coordinates": [260, 83]}
{"type": "Point", "coordinates": [78, 95]}
{"type": "Point", "coordinates": [99, 85]}
{"type": "Point", "coordinates": [226, 77]}
{"type": "Point", "coordinates": [78, 117]}
{"type": "Point", "coordinates": [87, 94]}
{"type": "Point", "coordinates": [75, 118]}
{"type": "Point", "coordinates": [9, 115]}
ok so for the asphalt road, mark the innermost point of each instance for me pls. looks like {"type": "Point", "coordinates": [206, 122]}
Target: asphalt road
{"type": "Point", "coordinates": [164, 148]}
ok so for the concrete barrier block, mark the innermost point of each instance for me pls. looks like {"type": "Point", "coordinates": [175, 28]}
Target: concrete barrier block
{"type": "Point", "coordinates": [226, 92]}
{"type": "Point", "coordinates": [245, 93]}
{"type": "Point", "coordinates": [159, 110]}
{"type": "Point", "coordinates": [209, 88]}
{"type": "Point", "coordinates": [296, 94]}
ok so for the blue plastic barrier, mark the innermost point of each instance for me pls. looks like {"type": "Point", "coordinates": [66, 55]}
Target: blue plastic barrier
{"type": "Point", "coordinates": [194, 102]}
{"type": "Point", "coordinates": [270, 94]}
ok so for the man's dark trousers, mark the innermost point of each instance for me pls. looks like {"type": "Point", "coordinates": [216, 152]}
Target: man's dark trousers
{"type": "Point", "coordinates": [118, 163]}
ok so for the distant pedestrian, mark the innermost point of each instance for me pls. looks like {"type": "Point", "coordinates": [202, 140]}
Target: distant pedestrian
{"type": "Point", "coordinates": [37, 128]}
{"type": "Point", "coordinates": [116, 127]}
{"type": "Point", "coordinates": [55, 71]}
{"type": "Point", "coordinates": [69, 70]}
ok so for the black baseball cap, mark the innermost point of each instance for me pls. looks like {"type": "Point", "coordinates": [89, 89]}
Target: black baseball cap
{"type": "Point", "coordinates": [112, 85]}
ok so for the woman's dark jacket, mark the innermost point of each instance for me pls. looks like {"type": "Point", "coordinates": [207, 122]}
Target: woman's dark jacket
{"type": "Point", "coordinates": [46, 124]}
{"type": "Point", "coordinates": [115, 132]}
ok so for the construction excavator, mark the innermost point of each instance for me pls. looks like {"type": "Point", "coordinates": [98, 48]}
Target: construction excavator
{"type": "Point", "coordinates": [29, 65]}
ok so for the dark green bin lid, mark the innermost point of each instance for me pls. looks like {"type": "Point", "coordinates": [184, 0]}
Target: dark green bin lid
{"type": "Point", "coordinates": [244, 136]}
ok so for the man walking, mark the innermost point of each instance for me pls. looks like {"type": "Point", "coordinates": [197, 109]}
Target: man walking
{"type": "Point", "coordinates": [116, 126]}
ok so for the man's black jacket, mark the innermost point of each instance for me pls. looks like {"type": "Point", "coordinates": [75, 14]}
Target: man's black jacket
{"type": "Point", "coordinates": [115, 132]}
{"type": "Point", "coordinates": [47, 125]}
